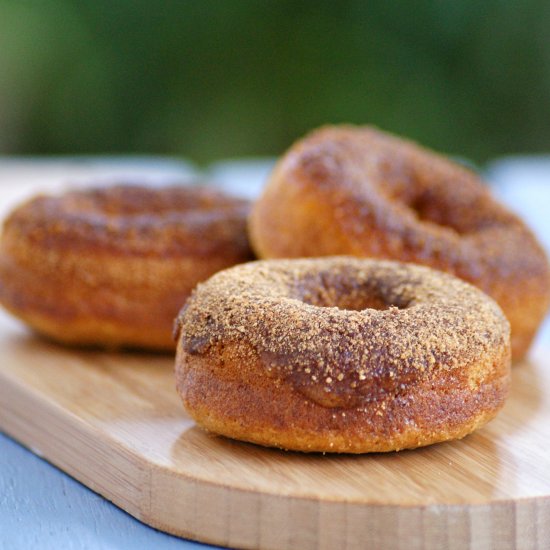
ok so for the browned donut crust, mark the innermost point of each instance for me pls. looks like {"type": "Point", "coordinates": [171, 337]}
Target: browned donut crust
{"type": "Point", "coordinates": [341, 355]}
{"type": "Point", "coordinates": [359, 191]}
{"type": "Point", "coordinates": [112, 266]}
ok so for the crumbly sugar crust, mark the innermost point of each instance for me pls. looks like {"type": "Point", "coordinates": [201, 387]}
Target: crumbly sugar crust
{"type": "Point", "coordinates": [341, 333]}
{"type": "Point", "coordinates": [112, 266]}
{"type": "Point", "coordinates": [363, 192]}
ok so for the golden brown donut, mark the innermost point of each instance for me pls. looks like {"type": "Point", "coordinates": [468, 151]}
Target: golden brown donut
{"type": "Point", "coordinates": [359, 191]}
{"type": "Point", "coordinates": [112, 266]}
{"type": "Point", "coordinates": [341, 354]}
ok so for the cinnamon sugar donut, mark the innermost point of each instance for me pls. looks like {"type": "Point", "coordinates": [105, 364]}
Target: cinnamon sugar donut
{"type": "Point", "coordinates": [358, 191]}
{"type": "Point", "coordinates": [341, 355]}
{"type": "Point", "coordinates": [112, 266]}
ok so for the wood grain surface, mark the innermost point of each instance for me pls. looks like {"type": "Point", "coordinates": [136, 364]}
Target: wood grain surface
{"type": "Point", "coordinates": [114, 422]}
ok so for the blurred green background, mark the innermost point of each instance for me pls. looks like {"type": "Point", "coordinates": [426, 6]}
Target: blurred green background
{"type": "Point", "coordinates": [211, 79]}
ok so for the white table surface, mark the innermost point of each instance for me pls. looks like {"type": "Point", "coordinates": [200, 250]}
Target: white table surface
{"type": "Point", "coordinates": [40, 506]}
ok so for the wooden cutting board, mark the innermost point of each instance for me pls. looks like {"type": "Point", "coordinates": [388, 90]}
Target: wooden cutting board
{"type": "Point", "coordinates": [114, 422]}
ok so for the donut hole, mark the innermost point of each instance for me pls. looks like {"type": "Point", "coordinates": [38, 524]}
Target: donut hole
{"type": "Point", "coordinates": [348, 295]}
{"type": "Point", "coordinates": [428, 210]}
{"type": "Point", "coordinates": [433, 208]}
{"type": "Point", "coordinates": [348, 302]}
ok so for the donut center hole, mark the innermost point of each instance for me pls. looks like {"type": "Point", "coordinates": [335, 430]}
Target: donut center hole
{"type": "Point", "coordinates": [430, 211]}
{"type": "Point", "coordinates": [428, 207]}
{"type": "Point", "coordinates": [348, 297]}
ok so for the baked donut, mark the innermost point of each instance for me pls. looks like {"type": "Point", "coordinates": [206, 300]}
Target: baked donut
{"type": "Point", "coordinates": [341, 354]}
{"type": "Point", "coordinates": [112, 266]}
{"type": "Point", "coordinates": [359, 191]}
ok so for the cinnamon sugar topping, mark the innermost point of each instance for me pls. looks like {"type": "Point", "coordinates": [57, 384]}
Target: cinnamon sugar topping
{"type": "Point", "coordinates": [343, 331]}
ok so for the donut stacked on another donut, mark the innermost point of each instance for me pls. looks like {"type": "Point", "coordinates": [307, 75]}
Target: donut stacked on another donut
{"type": "Point", "coordinates": [358, 191]}
{"type": "Point", "coordinates": [112, 266]}
{"type": "Point", "coordinates": [341, 355]}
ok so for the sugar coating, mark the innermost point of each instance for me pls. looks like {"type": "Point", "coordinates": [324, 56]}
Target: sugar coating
{"type": "Point", "coordinates": [111, 266]}
{"type": "Point", "coordinates": [343, 331]}
{"type": "Point", "coordinates": [362, 192]}
{"type": "Point", "coordinates": [136, 220]}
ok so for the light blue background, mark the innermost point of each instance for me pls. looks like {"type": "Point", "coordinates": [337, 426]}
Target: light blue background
{"type": "Point", "coordinates": [44, 509]}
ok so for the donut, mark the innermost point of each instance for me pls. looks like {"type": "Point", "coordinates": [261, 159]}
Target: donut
{"type": "Point", "coordinates": [341, 354]}
{"type": "Point", "coordinates": [358, 191]}
{"type": "Point", "coordinates": [112, 266]}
